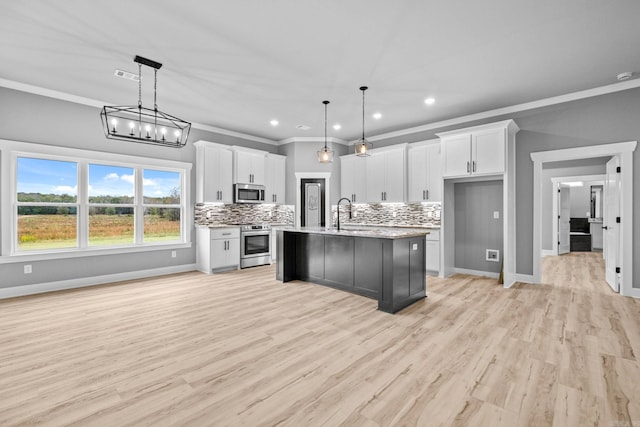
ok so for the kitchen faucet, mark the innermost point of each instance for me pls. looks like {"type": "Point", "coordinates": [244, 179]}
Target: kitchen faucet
{"type": "Point", "coordinates": [338, 208]}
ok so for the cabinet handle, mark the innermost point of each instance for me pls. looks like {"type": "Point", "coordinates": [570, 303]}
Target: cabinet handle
{"type": "Point", "coordinates": [427, 191]}
{"type": "Point", "coordinates": [423, 196]}
{"type": "Point", "coordinates": [468, 170]}
{"type": "Point", "coordinates": [474, 165]}
{"type": "Point", "coordinates": [226, 234]}
{"type": "Point", "coordinates": [354, 197]}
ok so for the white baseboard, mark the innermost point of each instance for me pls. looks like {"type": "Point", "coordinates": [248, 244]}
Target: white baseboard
{"type": "Point", "coordinates": [476, 273]}
{"type": "Point", "coordinates": [18, 291]}
{"type": "Point", "coordinates": [547, 252]}
{"type": "Point", "coordinates": [524, 278]}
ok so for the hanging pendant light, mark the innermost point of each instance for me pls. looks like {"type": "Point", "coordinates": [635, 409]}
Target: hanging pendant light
{"type": "Point", "coordinates": [140, 124]}
{"type": "Point", "coordinates": [324, 154]}
{"type": "Point", "coordinates": [362, 146]}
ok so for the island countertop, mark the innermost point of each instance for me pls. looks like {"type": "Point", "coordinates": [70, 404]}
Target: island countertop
{"type": "Point", "coordinates": [377, 233]}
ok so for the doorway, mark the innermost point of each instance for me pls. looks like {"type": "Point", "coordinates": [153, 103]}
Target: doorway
{"type": "Point", "coordinates": [624, 152]}
{"type": "Point", "coordinates": [324, 205]}
{"type": "Point", "coordinates": [312, 202]}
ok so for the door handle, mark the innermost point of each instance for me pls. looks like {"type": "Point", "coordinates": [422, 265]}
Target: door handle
{"type": "Point", "coordinates": [604, 227]}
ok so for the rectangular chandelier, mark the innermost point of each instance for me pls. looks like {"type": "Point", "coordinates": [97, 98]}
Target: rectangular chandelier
{"type": "Point", "coordinates": [145, 125]}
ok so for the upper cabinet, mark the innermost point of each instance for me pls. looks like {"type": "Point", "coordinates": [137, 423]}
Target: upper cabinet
{"type": "Point", "coordinates": [480, 150]}
{"type": "Point", "coordinates": [425, 173]}
{"type": "Point", "coordinates": [386, 175]}
{"type": "Point", "coordinates": [248, 167]}
{"type": "Point", "coordinates": [213, 173]}
{"type": "Point", "coordinates": [353, 178]}
{"type": "Point", "coordinates": [275, 169]}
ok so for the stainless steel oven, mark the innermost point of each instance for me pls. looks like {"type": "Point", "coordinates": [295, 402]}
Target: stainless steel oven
{"type": "Point", "coordinates": [255, 245]}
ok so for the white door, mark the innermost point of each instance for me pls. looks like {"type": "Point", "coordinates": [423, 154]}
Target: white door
{"type": "Point", "coordinates": [609, 225]}
{"type": "Point", "coordinates": [564, 217]}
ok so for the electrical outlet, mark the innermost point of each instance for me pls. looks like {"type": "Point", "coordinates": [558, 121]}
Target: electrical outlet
{"type": "Point", "coordinates": [208, 214]}
{"type": "Point", "coordinates": [394, 214]}
{"type": "Point", "coordinates": [173, 254]}
{"type": "Point", "coordinates": [496, 214]}
{"type": "Point", "coordinates": [493, 255]}
{"type": "Point", "coordinates": [355, 214]}
{"type": "Point", "coordinates": [28, 269]}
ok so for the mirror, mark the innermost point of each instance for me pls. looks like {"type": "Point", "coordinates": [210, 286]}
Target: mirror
{"type": "Point", "coordinates": [596, 201]}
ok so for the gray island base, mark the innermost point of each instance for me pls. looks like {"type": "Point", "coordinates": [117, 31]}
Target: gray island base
{"type": "Point", "coordinates": [387, 265]}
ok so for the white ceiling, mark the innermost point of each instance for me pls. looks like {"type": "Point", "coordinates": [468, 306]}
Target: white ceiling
{"type": "Point", "coordinates": [238, 64]}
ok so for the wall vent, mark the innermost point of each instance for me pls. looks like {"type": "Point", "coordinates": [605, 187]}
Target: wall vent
{"type": "Point", "coordinates": [126, 75]}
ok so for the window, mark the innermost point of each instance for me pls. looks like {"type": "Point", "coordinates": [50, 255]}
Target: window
{"type": "Point", "coordinates": [47, 204]}
{"type": "Point", "coordinates": [64, 203]}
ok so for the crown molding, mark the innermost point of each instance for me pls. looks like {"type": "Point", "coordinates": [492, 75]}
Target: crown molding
{"type": "Point", "coordinates": [63, 96]}
{"type": "Point", "coordinates": [574, 96]}
{"type": "Point", "coordinates": [312, 139]}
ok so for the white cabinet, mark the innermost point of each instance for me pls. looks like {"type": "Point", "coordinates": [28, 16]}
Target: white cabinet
{"type": "Point", "coordinates": [213, 173]}
{"type": "Point", "coordinates": [432, 251]}
{"type": "Point", "coordinates": [386, 176]}
{"type": "Point", "coordinates": [249, 167]}
{"type": "Point", "coordinates": [353, 178]}
{"type": "Point", "coordinates": [217, 249]}
{"type": "Point", "coordinates": [478, 153]}
{"type": "Point", "coordinates": [275, 170]}
{"type": "Point", "coordinates": [425, 173]}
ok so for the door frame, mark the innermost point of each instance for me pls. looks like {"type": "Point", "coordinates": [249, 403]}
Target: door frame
{"type": "Point", "coordinates": [327, 193]}
{"type": "Point", "coordinates": [625, 151]}
{"type": "Point", "coordinates": [555, 208]}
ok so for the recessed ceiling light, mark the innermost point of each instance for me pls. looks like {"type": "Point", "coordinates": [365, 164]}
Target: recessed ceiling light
{"type": "Point", "coordinates": [126, 75]}
{"type": "Point", "coordinates": [337, 126]}
{"type": "Point", "coordinates": [430, 101]}
{"type": "Point", "coordinates": [377, 116]}
{"type": "Point", "coordinates": [274, 122]}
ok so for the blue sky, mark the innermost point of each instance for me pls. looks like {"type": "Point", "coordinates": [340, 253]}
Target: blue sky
{"type": "Point", "coordinates": [58, 177]}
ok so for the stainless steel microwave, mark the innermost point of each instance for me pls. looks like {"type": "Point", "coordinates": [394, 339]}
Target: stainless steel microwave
{"type": "Point", "coordinates": [248, 193]}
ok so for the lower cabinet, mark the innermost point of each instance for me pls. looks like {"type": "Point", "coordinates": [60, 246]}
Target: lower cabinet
{"type": "Point", "coordinates": [218, 249]}
{"type": "Point", "coordinates": [432, 251]}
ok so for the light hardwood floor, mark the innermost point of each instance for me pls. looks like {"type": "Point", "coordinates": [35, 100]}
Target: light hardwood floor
{"type": "Point", "coordinates": [243, 349]}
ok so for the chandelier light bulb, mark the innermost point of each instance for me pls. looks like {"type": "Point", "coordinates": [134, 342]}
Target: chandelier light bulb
{"type": "Point", "coordinates": [163, 131]}
{"type": "Point", "coordinates": [114, 123]}
{"type": "Point", "coordinates": [131, 127]}
{"type": "Point", "coordinates": [148, 129]}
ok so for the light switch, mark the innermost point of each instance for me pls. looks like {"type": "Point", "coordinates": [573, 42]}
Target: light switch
{"type": "Point", "coordinates": [496, 214]}
{"type": "Point", "coordinates": [415, 247]}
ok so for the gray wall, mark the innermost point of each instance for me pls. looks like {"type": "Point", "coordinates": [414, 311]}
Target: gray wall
{"type": "Point", "coordinates": [302, 157]}
{"type": "Point", "coordinates": [476, 229]}
{"type": "Point", "coordinates": [580, 201]}
{"type": "Point", "coordinates": [592, 121]}
{"type": "Point", "coordinates": [38, 119]}
{"type": "Point", "coordinates": [582, 167]}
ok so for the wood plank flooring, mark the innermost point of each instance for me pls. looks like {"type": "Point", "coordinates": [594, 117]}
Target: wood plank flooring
{"type": "Point", "coordinates": [243, 349]}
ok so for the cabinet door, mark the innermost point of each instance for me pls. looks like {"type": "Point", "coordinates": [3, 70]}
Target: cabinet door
{"type": "Point", "coordinates": [279, 179]}
{"type": "Point", "coordinates": [243, 167]}
{"type": "Point", "coordinates": [207, 171]}
{"type": "Point", "coordinates": [375, 178]}
{"type": "Point", "coordinates": [233, 252]}
{"type": "Point", "coordinates": [418, 170]}
{"type": "Point", "coordinates": [434, 173]}
{"type": "Point", "coordinates": [257, 168]}
{"type": "Point", "coordinates": [218, 253]}
{"type": "Point", "coordinates": [395, 176]}
{"type": "Point", "coordinates": [225, 176]}
{"type": "Point", "coordinates": [359, 178]}
{"type": "Point", "coordinates": [347, 177]}
{"type": "Point", "coordinates": [432, 257]}
{"type": "Point", "coordinates": [457, 155]}
{"type": "Point", "coordinates": [489, 152]}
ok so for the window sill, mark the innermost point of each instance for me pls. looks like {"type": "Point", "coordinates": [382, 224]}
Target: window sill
{"type": "Point", "coordinates": [75, 253]}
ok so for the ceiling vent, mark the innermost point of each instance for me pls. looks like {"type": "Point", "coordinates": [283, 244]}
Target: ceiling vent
{"type": "Point", "coordinates": [303, 127]}
{"type": "Point", "coordinates": [127, 75]}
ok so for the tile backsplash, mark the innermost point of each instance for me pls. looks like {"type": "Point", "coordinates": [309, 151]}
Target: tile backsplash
{"type": "Point", "coordinates": [423, 214]}
{"type": "Point", "coordinates": [216, 214]}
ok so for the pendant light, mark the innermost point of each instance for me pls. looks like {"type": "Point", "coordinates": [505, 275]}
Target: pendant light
{"type": "Point", "coordinates": [324, 154]}
{"type": "Point", "coordinates": [362, 146]}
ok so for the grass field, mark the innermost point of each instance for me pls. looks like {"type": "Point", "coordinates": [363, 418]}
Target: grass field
{"type": "Point", "coordinates": [38, 232]}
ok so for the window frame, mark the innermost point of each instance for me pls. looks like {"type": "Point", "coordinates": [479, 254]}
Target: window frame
{"type": "Point", "coordinates": [10, 151]}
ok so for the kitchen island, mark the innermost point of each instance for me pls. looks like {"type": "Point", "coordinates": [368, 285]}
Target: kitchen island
{"type": "Point", "coordinates": [383, 264]}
